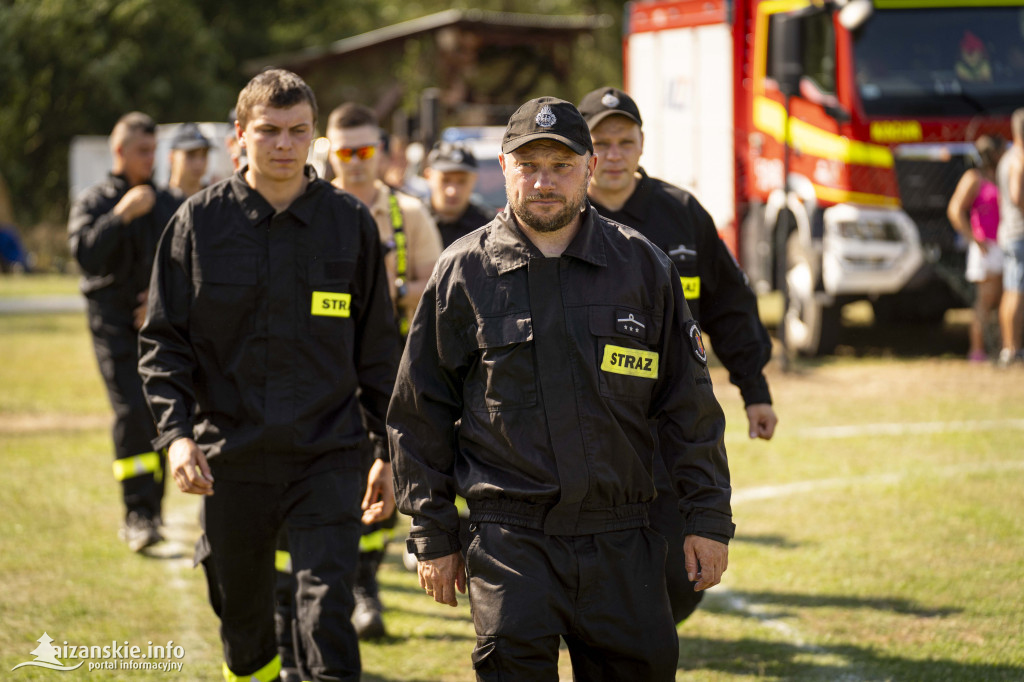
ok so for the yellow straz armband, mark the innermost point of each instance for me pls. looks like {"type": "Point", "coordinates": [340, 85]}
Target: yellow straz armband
{"type": "Point", "coordinates": [691, 287]}
{"type": "Point", "coordinates": [332, 304]}
{"type": "Point", "coordinates": [630, 361]}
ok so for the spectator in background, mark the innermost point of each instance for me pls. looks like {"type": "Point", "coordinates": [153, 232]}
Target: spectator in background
{"type": "Point", "coordinates": [190, 152]}
{"type": "Point", "coordinates": [13, 256]}
{"type": "Point", "coordinates": [113, 230]}
{"type": "Point", "coordinates": [451, 174]}
{"type": "Point", "coordinates": [412, 245]}
{"type": "Point", "coordinates": [974, 212]}
{"type": "Point", "coordinates": [1010, 180]}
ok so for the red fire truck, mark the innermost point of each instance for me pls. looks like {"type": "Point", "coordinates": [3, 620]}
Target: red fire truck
{"type": "Point", "coordinates": [826, 138]}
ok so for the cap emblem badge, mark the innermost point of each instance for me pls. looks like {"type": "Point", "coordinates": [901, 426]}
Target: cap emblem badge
{"type": "Point", "coordinates": [546, 118]}
{"type": "Point", "coordinates": [610, 100]}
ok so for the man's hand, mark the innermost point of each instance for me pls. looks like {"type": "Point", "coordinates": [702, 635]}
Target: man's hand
{"type": "Point", "coordinates": [706, 561]}
{"type": "Point", "coordinates": [189, 467]}
{"type": "Point", "coordinates": [140, 310]}
{"type": "Point", "coordinates": [762, 420]}
{"type": "Point", "coordinates": [441, 577]}
{"type": "Point", "coordinates": [379, 501]}
{"type": "Point", "coordinates": [136, 202]}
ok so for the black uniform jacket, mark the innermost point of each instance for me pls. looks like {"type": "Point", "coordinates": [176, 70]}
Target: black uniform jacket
{"type": "Point", "coordinates": [266, 331]}
{"type": "Point", "coordinates": [472, 218]}
{"type": "Point", "coordinates": [716, 289]}
{"type": "Point", "coordinates": [555, 367]}
{"type": "Point", "coordinates": [115, 257]}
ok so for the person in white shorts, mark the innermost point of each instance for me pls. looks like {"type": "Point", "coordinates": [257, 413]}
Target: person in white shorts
{"type": "Point", "coordinates": [974, 212]}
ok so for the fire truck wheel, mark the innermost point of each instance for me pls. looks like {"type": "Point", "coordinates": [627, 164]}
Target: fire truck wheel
{"type": "Point", "coordinates": [812, 326]}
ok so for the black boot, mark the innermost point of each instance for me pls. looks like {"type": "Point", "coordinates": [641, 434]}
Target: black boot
{"type": "Point", "coordinates": [366, 617]}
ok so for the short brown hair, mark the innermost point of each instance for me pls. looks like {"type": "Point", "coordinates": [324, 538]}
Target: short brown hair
{"type": "Point", "coordinates": [276, 88]}
{"type": "Point", "coordinates": [351, 115]}
{"type": "Point", "coordinates": [128, 126]}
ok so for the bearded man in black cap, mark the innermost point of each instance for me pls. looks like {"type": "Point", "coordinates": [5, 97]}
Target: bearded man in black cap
{"type": "Point", "coordinates": [555, 336]}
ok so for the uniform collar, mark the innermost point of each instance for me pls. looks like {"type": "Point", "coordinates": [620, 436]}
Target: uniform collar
{"type": "Point", "coordinates": [257, 209]}
{"type": "Point", "coordinates": [638, 204]}
{"type": "Point", "coordinates": [510, 248]}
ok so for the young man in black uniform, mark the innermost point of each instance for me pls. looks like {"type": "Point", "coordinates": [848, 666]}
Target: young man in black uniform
{"type": "Point", "coordinates": [451, 174]}
{"type": "Point", "coordinates": [269, 336]}
{"type": "Point", "coordinates": [716, 289]}
{"type": "Point", "coordinates": [113, 229]}
{"type": "Point", "coordinates": [555, 336]}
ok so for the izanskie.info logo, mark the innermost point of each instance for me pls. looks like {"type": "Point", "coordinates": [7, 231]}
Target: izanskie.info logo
{"type": "Point", "coordinates": [114, 656]}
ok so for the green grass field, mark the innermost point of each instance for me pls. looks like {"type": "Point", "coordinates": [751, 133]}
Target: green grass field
{"type": "Point", "coordinates": [880, 534]}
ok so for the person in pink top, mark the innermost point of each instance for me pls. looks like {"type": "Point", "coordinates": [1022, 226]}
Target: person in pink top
{"type": "Point", "coordinates": [974, 212]}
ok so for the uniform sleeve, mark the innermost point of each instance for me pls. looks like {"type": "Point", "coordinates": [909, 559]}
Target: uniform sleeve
{"type": "Point", "coordinates": [377, 341]}
{"type": "Point", "coordinates": [421, 429]}
{"type": "Point", "coordinates": [728, 313]}
{"type": "Point", "coordinates": [95, 234]}
{"type": "Point", "coordinates": [166, 358]}
{"type": "Point", "coordinates": [691, 426]}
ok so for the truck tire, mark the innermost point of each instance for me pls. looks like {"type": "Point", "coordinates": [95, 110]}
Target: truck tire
{"type": "Point", "coordinates": [811, 326]}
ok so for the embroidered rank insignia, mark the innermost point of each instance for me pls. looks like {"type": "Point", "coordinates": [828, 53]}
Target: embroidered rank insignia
{"type": "Point", "coordinates": [696, 342]}
{"type": "Point", "coordinates": [630, 325]}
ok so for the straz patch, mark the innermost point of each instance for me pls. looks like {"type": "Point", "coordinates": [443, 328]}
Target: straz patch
{"type": "Point", "coordinates": [630, 361]}
{"type": "Point", "coordinates": [691, 287]}
{"type": "Point", "coordinates": [331, 304]}
{"type": "Point", "coordinates": [696, 342]}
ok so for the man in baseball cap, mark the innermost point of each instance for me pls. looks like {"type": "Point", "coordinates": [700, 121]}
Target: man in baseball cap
{"type": "Point", "coordinates": [544, 345]}
{"type": "Point", "coordinates": [716, 290]}
{"type": "Point", "coordinates": [189, 155]}
{"type": "Point", "coordinates": [451, 174]}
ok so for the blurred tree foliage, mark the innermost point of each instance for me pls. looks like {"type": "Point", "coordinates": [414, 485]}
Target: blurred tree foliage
{"type": "Point", "coordinates": [71, 67]}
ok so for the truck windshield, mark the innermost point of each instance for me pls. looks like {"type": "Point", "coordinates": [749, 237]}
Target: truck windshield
{"type": "Point", "coordinates": [941, 61]}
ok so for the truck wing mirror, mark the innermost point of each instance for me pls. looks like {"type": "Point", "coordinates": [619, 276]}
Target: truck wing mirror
{"type": "Point", "coordinates": [786, 52]}
{"type": "Point", "coordinates": [854, 13]}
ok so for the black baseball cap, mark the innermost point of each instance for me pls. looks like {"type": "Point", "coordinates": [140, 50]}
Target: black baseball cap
{"type": "Point", "coordinates": [547, 118]}
{"type": "Point", "coordinates": [451, 156]}
{"type": "Point", "coordinates": [188, 137]}
{"type": "Point", "coordinates": [599, 104]}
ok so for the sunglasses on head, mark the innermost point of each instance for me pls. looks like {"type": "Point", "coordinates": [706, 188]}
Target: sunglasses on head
{"type": "Point", "coordinates": [365, 152]}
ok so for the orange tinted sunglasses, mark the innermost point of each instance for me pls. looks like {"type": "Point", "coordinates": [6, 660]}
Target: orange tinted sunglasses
{"type": "Point", "coordinates": [365, 152]}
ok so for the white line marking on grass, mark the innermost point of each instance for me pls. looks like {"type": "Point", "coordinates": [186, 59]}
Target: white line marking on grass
{"type": "Point", "coordinates": [179, 523]}
{"type": "Point", "coordinates": [766, 492]}
{"type": "Point", "coordinates": [856, 430]}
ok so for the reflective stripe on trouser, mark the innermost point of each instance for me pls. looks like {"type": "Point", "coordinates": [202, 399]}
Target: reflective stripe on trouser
{"type": "Point", "coordinates": [139, 465]}
{"type": "Point", "coordinates": [268, 673]}
{"type": "Point", "coordinates": [283, 561]}
{"type": "Point", "coordinates": [377, 540]}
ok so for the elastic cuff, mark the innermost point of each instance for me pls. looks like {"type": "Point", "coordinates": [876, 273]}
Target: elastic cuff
{"type": "Point", "coordinates": [433, 547]}
{"type": "Point", "coordinates": [165, 439]}
{"type": "Point", "coordinates": [755, 391]}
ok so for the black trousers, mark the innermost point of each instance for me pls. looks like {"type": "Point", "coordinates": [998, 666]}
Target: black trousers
{"type": "Point", "coordinates": [604, 594]}
{"type": "Point", "coordinates": [321, 516]}
{"type": "Point", "coordinates": [668, 522]}
{"type": "Point", "coordinates": [140, 470]}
